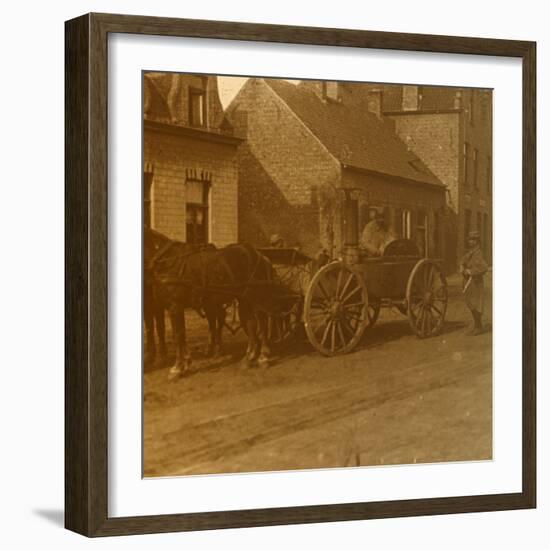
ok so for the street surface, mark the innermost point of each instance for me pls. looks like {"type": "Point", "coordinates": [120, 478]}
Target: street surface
{"type": "Point", "coordinates": [395, 400]}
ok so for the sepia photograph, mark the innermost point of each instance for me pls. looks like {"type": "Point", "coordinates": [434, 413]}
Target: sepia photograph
{"type": "Point", "coordinates": [317, 274]}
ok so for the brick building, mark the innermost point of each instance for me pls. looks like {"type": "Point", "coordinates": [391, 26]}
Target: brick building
{"type": "Point", "coordinates": [305, 143]}
{"type": "Point", "coordinates": [450, 129]}
{"type": "Point", "coordinates": [189, 154]}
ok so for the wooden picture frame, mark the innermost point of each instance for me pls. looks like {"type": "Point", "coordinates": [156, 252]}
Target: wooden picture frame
{"type": "Point", "coordinates": [86, 414]}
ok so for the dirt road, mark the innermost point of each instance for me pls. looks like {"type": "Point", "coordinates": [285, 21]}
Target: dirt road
{"type": "Point", "coordinates": [396, 399]}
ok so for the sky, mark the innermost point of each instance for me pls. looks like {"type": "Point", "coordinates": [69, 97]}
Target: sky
{"type": "Point", "coordinates": [228, 87]}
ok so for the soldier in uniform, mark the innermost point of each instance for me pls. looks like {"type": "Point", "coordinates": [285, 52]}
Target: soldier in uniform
{"type": "Point", "coordinates": [376, 235]}
{"type": "Point", "coordinates": [473, 267]}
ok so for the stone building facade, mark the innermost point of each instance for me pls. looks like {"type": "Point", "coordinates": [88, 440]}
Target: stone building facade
{"type": "Point", "coordinates": [450, 129]}
{"type": "Point", "coordinates": [306, 144]}
{"type": "Point", "coordinates": [189, 154]}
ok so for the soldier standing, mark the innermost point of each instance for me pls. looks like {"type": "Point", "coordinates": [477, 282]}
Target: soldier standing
{"type": "Point", "coordinates": [473, 267]}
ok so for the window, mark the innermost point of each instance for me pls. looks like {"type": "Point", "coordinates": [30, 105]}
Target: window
{"type": "Point", "coordinates": [147, 195]}
{"type": "Point", "coordinates": [465, 155]}
{"type": "Point", "coordinates": [410, 98]}
{"type": "Point", "coordinates": [406, 224]}
{"type": "Point", "coordinates": [197, 107]}
{"type": "Point", "coordinates": [330, 91]}
{"type": "Point", "coordinates": [196, 210]}
{"type": "Point", "coordinates": [422, 232]}
{"type": "Point", "coordinates": [475, 167]}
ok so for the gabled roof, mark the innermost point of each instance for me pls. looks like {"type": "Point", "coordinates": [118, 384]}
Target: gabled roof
{"type": "Point", "coordinates": [352, 134]}
{"type": "Point", "coordinates": [165, 100]}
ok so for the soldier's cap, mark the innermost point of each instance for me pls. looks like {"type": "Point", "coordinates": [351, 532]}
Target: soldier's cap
{"type": "Point", "coordinates": [474, 235]}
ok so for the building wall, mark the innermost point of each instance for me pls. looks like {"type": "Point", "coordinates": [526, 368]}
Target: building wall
{"type": "Point", "coordinates": [431, 135]}
{"type": "Point", "coordinates": [286, 177]}
{"type": "Point", "coordinates": [170, 156]}
{"type": "Point", "coordinates": [478, 192]}
{"type": "Point", "coordinates": [437, 139]}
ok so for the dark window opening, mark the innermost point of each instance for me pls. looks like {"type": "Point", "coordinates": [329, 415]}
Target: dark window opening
{"type": "Point", "coordinates": [196, 211]}
{"type": "Point", "coordinates": [422, 232]}
{"type": "Point", "coordinates": [197, 107]}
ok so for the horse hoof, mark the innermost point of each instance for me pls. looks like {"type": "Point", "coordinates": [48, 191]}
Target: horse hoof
{"type": "Point", "coordinates": [263, 362]}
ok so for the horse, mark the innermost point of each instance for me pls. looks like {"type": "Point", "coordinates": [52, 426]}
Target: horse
{"type": "Point", "coordinates": [207, 279]}
{"type": "Point", "coordinates": [252, 284]}
{"type": "Point", "coordinates": [153, 317]}
{"type": "Point", "coordinates": [159, 253]}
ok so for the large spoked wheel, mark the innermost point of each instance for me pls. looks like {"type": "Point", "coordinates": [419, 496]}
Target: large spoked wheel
{"type": "Point", "coordinates": [336, 309]}
{"type": "Point", "coordinates": [426, 298]}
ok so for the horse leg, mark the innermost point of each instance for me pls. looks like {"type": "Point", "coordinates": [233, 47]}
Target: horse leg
{"type": "Point", "coordinates": [265, 351]}
{"type": "Point", "coordinates": [149, 321]}
{"type": "Point", "coordinates": [183, 358]}
{"type": "Point", "coordinates": [248, 322]}
{"type": "Point", "coordinates": [210, 314]}
{"type": "Point", "coordinates": [161, 333]}
{"type": "Point", "coordinates": [220, 322]}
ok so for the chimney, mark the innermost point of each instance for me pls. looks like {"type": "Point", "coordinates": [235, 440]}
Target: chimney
{"type": "Point", "coordinates": [374, 102]}
{"type": "Point", "coordinates": [410, 98]}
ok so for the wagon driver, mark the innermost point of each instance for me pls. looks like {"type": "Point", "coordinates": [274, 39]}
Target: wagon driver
{"type": "Point", "coordinates": [473, 267]}
{"type": "Point", "coordinates": [376, 235]}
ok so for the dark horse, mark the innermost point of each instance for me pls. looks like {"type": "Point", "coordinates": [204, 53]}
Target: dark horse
{"type": "Point", "coordinates": [162, 294]}
{"type": "Point", "coordinates": [207, 279]}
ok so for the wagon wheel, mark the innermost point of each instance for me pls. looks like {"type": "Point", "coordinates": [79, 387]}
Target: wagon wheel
{"type": "Point", "coordinates": [426, 298]}
{"type": "Point", "coordinates": [283, 327]}
{"type": "Point", "coordinates": [336, 309]}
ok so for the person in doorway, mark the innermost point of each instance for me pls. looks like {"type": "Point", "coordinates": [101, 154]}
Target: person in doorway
{"type": "Point", "coordinates": [376, 235]}
{"type": "Point", "coordinates": [473, 267]}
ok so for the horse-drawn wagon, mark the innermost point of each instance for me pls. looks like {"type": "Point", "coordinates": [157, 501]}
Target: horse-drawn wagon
{"type": "Point", "coordinates": [345, 297]}
{"type": "Point", "coordinates": [279, 290]}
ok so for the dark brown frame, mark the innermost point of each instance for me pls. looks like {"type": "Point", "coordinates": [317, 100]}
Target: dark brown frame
{"type": "Point", "coordinates": [86, 274]}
